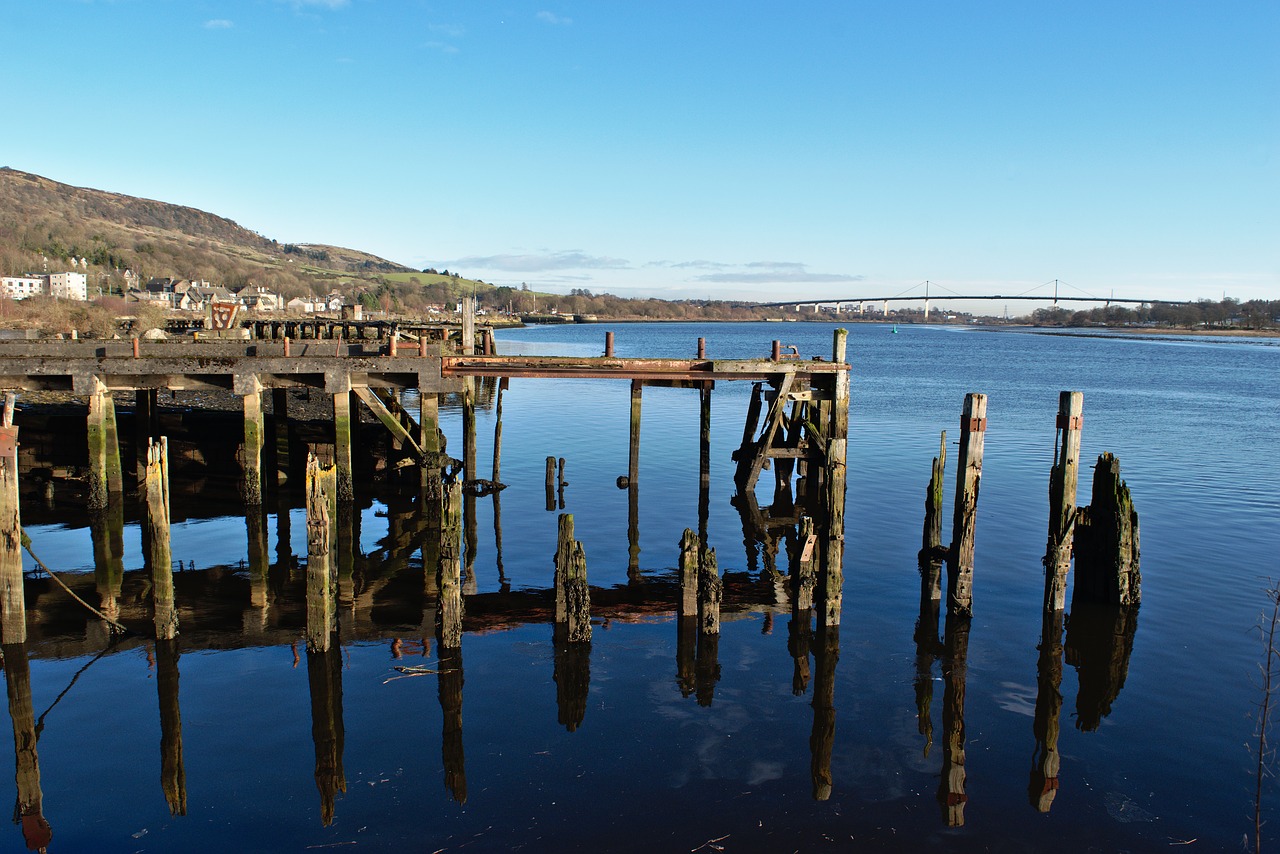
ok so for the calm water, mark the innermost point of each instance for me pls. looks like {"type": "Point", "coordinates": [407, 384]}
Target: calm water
{"type": "Point", "coordinates": [477, 758]}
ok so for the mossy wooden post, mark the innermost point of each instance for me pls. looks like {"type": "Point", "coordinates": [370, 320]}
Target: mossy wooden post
{"type": "Point", "coordinates": [1107, 543]}
{"type": "Point", "coordinates": [577, 595]}
{"type": "Point", "coordinates": [342, 445]}
{"type": "Point", "coordinates": [804, 576]}
{"type": "Point", "coordinates": [973, 426]}
{"type": "Point", "coordinates": [97, 441]}
{"type": "Point", "coordinates": [469, 428]}
{"type": "Point", "coordinates": [1063, 479]}
{"type": "Point", "coordinates": [320, 604]}
{"type": "Point", "coordinates": [280, 420]}
{"type": "Point", "coordinates": [689, 547]}
{"type": "Point", "coordinates": [429, 441]}
{"type": "Point", "coordinates": [254, 433]}
{"type": "Point", "coordinates": [931, 539]}
{"type": "Point", "coordinates": [450, 570]}
{"type": "Point", "coordinates": [111, 435]}
{"type": "Point", "coordinates": [710, 591]}
{"type": "Point", "coordinates": [831, 570]}
{"type": "Point", "coordinates": [13, 613]}
{"type": "Point", "coordinates": [159, 553]}
{"type": "Point", "coordinates": [29, 809]}
{"type": "Point", "coordinates": [173, 775]}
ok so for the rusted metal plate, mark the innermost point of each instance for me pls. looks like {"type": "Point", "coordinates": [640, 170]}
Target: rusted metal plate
{"type": "Point", "coordinates": [8, 442]}
{"type": "Point", "coordinates": [973, 425]}
{"type": "Point", "coordinates": [1070, 422]}
{"type": "Point", "coordinates": [807, 554]}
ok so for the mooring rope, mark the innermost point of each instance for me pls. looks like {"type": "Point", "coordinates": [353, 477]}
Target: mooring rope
{"type": "Point", "coordinates": [26, 544]}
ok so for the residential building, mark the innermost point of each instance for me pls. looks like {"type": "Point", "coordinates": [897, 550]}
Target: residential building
{"type": "Point", "coordinates": [21, 287]}
{"type": "Point", "coordinates": [69, 286]}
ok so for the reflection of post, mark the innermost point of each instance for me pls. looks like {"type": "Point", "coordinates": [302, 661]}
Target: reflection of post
{"type": "Point", "coordinates": [951, 789]}
{"type": "Point", "coordinates": [1099, 643]}
{"type": "Point", "coordinates": [450, 690]}
{"type": "Point", "coordinates": [1062, 499]}
{"type": "Point", "coordinates": [159, 554]}
{"type": "Point", "coordinates": [13, 613]}
{"type": "Point", "coordinates": [706, 668]}
{"type": "Point", "coordinates": [572, 674]}
{"type": "Point", "coordinates": [927, 648]}
{"type": "Point", "coordinates": [346, 556]}
{"type": "Point", "coordinates": [973, 426]}
{"type": "Point", "coordinates": [1044, 772]}
{"type": "Point", "coordinates": [822, 739]}
{"type": "Point", "coordinates": [449, 568]}
{"type": "Point", "coordinates": [284, 536]}
{"type": "Point", "coordinates": [29, 809]}
{"type": "Point", "coordinates": [324, 677]}
{"type": "Point", "coordinates": [255, 520]}
{"type": "Point", "coordinates": [107, 532]}
{"type": "Point", "coordinates": [319, 568]}
{"type": "Point", "coordinates": [686, 650]}
{"type": "Point", "coordinates": [173, 777]}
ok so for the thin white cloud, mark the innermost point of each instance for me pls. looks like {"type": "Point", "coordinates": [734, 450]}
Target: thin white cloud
{"type": "Point", "coordinates": [775, 272]}
{"type": "Point", "coordinates": [322, 4]}
{"type": "Point", "coordinates": [218, 24]}
{"type": "Point", "coordinates": [553, 19]}
{"type": "Point", "coordinates": [539, 263]}
{"type": "Point", "coordinates": [443, 47]}
{"type": "Point", "coordinates": [447, 31]}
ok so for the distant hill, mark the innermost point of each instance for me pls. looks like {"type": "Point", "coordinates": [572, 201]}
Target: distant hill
{"type": "Point", "coordinates": [44, 219]}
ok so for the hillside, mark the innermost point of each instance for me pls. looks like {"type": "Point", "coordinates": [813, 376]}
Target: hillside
{"type": "Point", "coordinates": [41, 218]}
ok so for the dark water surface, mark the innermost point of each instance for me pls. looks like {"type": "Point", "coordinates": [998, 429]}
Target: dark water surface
{"type": "Point", "coordinates": [1156, 722]}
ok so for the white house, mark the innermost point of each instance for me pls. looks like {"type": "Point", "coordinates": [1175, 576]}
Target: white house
{"type": "Point", "coordinates": [21, 287]}
{"type": "Point", "coordinates": [69, 286]}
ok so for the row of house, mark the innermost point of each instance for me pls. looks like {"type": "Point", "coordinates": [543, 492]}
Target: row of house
{"type": "Point", "coordinates": [198, 295]}
{"type": "Point", "coordinates": [69, 285]}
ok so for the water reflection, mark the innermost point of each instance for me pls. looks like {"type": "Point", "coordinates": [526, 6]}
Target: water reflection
{"type": "Point", "coordinates": [572, 674]}
{"type": "Point", "coordinates": [1099, 643]}
{"type": "Point", "coordinates": [173, 777]}
{"type": "Point", "coordinates": [450, 690]}
{"type": "Point", "coordinates": [28, 811]}
{"type": "Point", "coordinates": [324, 678]}
{"type": "Point", "coordinates": [952, 796]}
{"type": "Point", "coordinates": [826, 653]}
{"type": "Point", "coordinates": [1046, 762]}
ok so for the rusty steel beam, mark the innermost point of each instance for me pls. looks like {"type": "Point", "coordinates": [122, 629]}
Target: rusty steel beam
{"type": "Point", "coordinates": [637, 369]}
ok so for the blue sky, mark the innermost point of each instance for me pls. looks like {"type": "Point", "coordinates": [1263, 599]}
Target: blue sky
{"type": "Point", "coordinates": [764, 150]}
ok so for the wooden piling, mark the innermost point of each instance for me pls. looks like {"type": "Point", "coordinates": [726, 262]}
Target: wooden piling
{"type": "Point", "coordinates": [1107, 543]}
{"type": "Point", "coordinates": [280, 419]}
{"type": "Point", "coordinates": [254, 438]}
{"type": "Point", "coordinates": [97, 441]}
{"type": "Point", "coordinates": [710, 591]}
{"type": "Point", "coordinates": [689, 547]}
{"type": "Point", "coordinates": [468, 326]}
{"type": "Point", "coordinates": [704, 432]}
{"type": "Point", "coordinates": [429, 441]}
{"type": "Point", "coordinates": [550, 483]}
{"type": "Point", "coordinates": [831, 570]}
{"type": "Point", "coordinates": [111, 435]}
{"type": "Point", "coordinates": [804, 570]}
{"type": "Point", "coordinates": [1062, 499]}
{"type": "Point", "coordinates": [973, 425]}
{"type": "Point", "coordinates": [159, 553]}
{"type": "Point", "coordinates": [320, 593]}
{"type": "Point", "coordinates": [13, 614]}
{"type": "Point", "coordinates": [469, 428]}
{"type": "Point", "coordinates": [931, 540]}
{"type": "Point", "coordinates": [449, 576]}
{"type": "Point", "coordinates": [576, 594]}
{"type": "Point", "coordinates": [633, 455]}
{"type": "Point", "coordinates": [342, 445]}
{"type": "Point", "coordinates": [608, 345]}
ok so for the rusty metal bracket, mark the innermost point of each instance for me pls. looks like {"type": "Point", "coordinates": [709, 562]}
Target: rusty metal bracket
{"type": "Point", "coordinates": [973, 425]}
{"type": "Point", "coordinates": [8, 442]}
{"type": "Point", "coordinates": [1070, 422]}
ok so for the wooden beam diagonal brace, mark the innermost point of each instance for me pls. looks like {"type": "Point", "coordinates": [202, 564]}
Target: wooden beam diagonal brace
{"type": "Point", "coordinates": [776, 412]}
{"type": "Point", "coordinates": [389, 420]}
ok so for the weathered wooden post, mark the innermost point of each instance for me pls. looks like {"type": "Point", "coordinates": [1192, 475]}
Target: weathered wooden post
{"type": "Point", "coordinates": [29, 809]}
{"type": "Point", "coordinates": [104, 448]}
{"type": "Point", "coordinates": [1062, 499]}
{"type": "Point", "coordinates": [497, 436]}
{"type": "Point", "coordinates": [550, 483]}
{"type": "Point", "coordinates": [710, 591]}
{"type": "Point", "coordinates": [255, 430]}
{"type": "Point", "coordinates": [803, 571]}
{"type": "Point", "coordinates": [13, 609]}
{"type": "Point", "coordinates": [1107, 542]}
{"type": "Point", "coordinates": [429, 441]}
{"type": "Point", "coordinates": [832, 566]}
{"type": "Point", "coordinates": [280, 421]}
{"type": "Point", "coordinates": [468, 326]}
{"type": "Point", "coordinates": [342, 445]}
{"type": "Point", "coordinates": [931, 540]}
{"type": "Point", "coordinates": [689, 547]}
{"type": "Point", "coordinates": [159, 554]}
{"type": "Point", "coordinates": [704, 433]}
{"type": "Point", "coordinates": [973, 426]}
{"type": "Point", "coordinates": [573, 598]}
{"type": "Point", "coordinates": [450, 570]}
{"type": "Point", "coordinates": [173, 776]}
{"type": "Point", "coordinates": [608, 345]}
{"type": "Point", "coordinates": [633, 448]}
{"type": "Point", "coordinates": [320, 604]}
{"type": "Point", "coordinates": [469, 427]}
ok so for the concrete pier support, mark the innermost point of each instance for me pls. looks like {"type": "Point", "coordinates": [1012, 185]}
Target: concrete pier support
{"type": "Point", "coordinates": [342, 445]}
{"type": "Point", "coordinates": [254, 433]}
